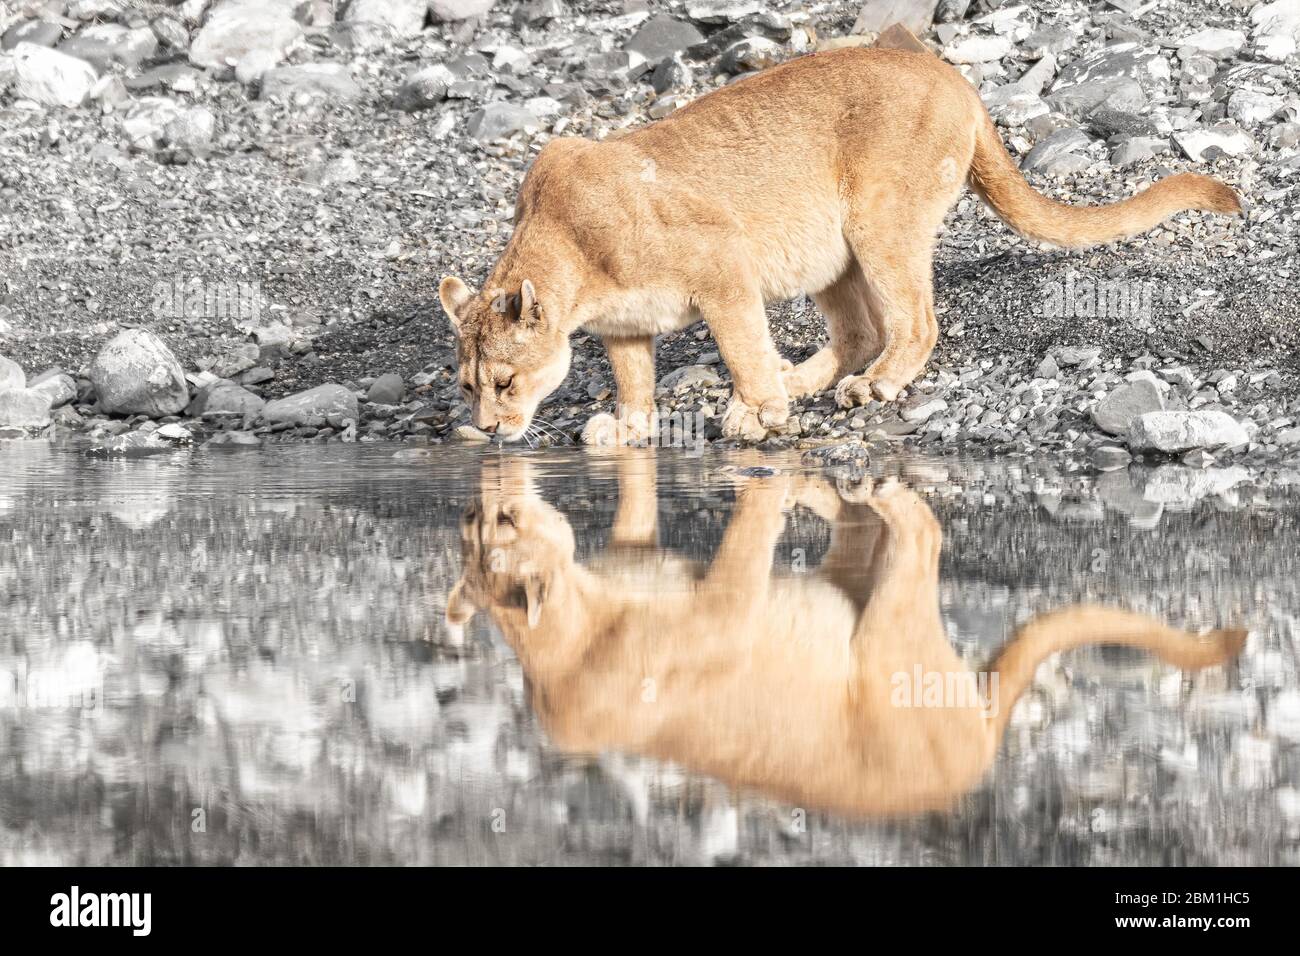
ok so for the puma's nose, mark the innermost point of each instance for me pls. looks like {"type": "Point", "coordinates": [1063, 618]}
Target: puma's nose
{"type": "Point", "coordinates": [491, 429]}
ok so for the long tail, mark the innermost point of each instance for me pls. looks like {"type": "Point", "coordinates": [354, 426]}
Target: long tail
{"type": "Point", "coordinates": [999, 183]}
{"type": "Point", "coordinates": [1094, 624]}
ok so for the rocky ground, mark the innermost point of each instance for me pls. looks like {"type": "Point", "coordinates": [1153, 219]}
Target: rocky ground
{"type": "Point", "coordinates": [210, 207]}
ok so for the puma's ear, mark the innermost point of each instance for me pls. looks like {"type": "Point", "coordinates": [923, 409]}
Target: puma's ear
{"type": "Point", "coordinates": [455, 295]}
{"type": "Point", "coordinates": [530, 310]}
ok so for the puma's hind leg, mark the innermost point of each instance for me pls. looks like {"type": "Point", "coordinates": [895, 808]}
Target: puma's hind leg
{"type": "Point", "coordinates": [854, 338]}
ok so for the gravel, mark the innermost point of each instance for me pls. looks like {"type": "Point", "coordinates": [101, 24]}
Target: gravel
{"type": "Point", "coordinates": [274, 192]}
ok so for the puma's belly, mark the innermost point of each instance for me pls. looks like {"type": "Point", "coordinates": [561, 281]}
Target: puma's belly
{"type": "Point", "coordinates": [644, 312]}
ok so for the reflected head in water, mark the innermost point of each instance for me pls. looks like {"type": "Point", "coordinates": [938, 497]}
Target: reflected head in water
{"type": "Point", "coordinates": [835, 689]}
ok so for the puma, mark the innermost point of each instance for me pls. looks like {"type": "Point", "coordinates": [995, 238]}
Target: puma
{"type": "Point", "coordinates": [786, 683]}
{"type": "Point", "coordinates": [828, 174]}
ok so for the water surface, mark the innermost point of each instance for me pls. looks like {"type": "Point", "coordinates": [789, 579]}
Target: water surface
{"type": "Point", "coordinates": [339, 654]}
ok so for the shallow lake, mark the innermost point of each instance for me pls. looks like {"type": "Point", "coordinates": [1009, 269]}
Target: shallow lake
{"type": "Point", "coordinates": [361, 654]}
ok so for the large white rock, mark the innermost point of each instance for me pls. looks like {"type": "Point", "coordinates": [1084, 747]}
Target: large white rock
{"type": "Point", "coordinates": [1213, 42]}
{"type": "Point", "coordinates": [403, 18]}
{"type": "Point", "coordinates": [24, 408]}
{"type": "Point", "coordinates": [1178, 431]}
{"type": "Point", "coordinates": [1115, 412]}
{"type": "Point", "coordinates": [50, 77]}
{"type": "Point", "coordinates": [11, 374]}
{"type": "Point", "coordinates": [239, 28]}
{"type": "Point", "coordinates": [450, 11]}
{"type": "Point", "coordinates": [1194, 142]}
{"type": "Point", "coordinates": [977, 50]}
{"type": "Point", "coordinates": [137, 373]}
{"type": "Point", "coordinates": [315, 404]}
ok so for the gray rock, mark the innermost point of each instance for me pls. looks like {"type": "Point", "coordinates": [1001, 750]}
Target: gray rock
{"type": "Point", "coordinates": [1212, 42]}
{"type": "Point", "coordinates": [387, 390]}
{"type": "Point", "coordinates": [453, 11]}
{"type": "Point", "coordinates": [499, 121]}
{"type": "Point", "coordinates": [224, 398]}
{"type": "Point", "coordinates": [922, 408]}
{"type": "Point", "coordinates": [154, 121]}
{"type": "Point", "coordinates": [690, 376]}
{"type": "Point", "coordinates": [1118, 61]}
{"type": "Point", "coordinates": [238, 29]}
{"type": "Point", "coordinates": [672, 73]}
{"type": "Point", "coordinates": [752, 53]}
{"type": "Point", "coordinates": [49, 77]}
{"type": "Point", "coordinates": [313, 406]}
{"type": "Point", "coordinates": [1114, 413]}
{"type": "Point", "coordinates": [1082, 99]}
{"type": "Point", "coordinates": [1054, 146]}
{"type": "Point", "coordinates": [331, 81]}
{"type": "Point", "coordinates": [59, 386]}
{"type": "Point", "coordinates": [722, 11]}
{"type": "Point", "coordinates": [106, 44]}
{"type": "Point", "coordinates": [234, 439]}
{"type": "Point", "coordinates": [1012, 106]}
{"type": "Point", "coordinates": [11, 374]}
{"type": "Point", "coordinates": [916, 15]}
{"type": "Point", "coordinates": [36, 32]}
{"type": "Point", "coordinates": [1250, 108]}
{"type": "Point", "coordinates": [1138, 149]}
{"type": "Point", "coordinates": [399, 18]}
{"type": "Point", "coordinates": [424, 88]}
{"type": "Point", "coordinates": [977, 49]}
{"type": "Point", "coordinates": [1227, 139]}
{"type": "Point", "coordinates": [137, 373]}
{"type": "Point", "coordinates": [24, 408]}
{"type": "Point", "coordinates": [661, 37]}
{"type": "Point", "coordinates": [1179, 431]}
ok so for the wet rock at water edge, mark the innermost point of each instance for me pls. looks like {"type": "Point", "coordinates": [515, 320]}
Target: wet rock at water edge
{"type": "Point", "coordinates": [1179, 431]}
{"type": "Point", "coordinates": [24, 408]}
{"type": "Point", "coordinates": [312, 407]}
{"type": "Point", "coordinates": [388, 389]}
{"type": "Point", "coordinates": [1114, 413]}
{"type": "Point", "coordinates": [224, 398]}
{"type": "Point", "coordinates": [59, 386]}
{"type": "Point", "coordinates": [136, 373]}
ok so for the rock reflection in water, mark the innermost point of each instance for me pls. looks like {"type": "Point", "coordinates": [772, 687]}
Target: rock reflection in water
{"type": "Point", "coordinates": [243, 658]}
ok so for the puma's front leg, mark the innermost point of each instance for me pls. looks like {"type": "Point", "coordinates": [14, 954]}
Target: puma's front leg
{"type": "Point", "coordinates": [759, 401]}
{"type": "Point", "coordinates": [633, 362]}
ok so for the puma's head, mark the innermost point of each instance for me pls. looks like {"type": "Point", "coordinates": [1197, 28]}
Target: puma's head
{"type": "Point", "coordinates": [516, 549]}
{"type": "Point", "coordinates": [511, 353]}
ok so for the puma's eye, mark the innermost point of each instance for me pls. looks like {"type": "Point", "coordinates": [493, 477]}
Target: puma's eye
{"type": "Point", "coordinates": [503, 385]}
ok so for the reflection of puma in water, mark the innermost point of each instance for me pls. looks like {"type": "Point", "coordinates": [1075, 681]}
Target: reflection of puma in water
{"type": "Point", "coordinates": [786, 683]}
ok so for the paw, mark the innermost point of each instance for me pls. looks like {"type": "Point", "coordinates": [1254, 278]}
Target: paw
{"type": "Point", "coordinates": [601, 431]}
{"type": "Point", "coordinates": [855, 390]}
{"type": "Point", "coordinates": [752, 424]}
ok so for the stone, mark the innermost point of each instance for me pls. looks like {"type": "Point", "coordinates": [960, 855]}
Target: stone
{"type": "Point", "coordinates": [1114, 413]}
{"type": "Point", "coordinates": [154, 121]}
{"type": "Point", "coordinates": [1138, 149]}
{"type": "Point", "coordinates": [234, 439]}
{"type": "Point", "coordinates": [977, 49]}
{"type": "Point", "coordinates": [24, 408]}
{"type": "Point", "coordinates": [424, 88]}
{"type": "Point", "coordinates": [1110, 457]}
{"type": "Point", "coordinates": [313, 405]}
{"type": "Point", "coordinates": [331, 81]}
{"type": "Point", "coordinates": [1055, 145]}
{"type": "Point", "coordinates": [49, 77]}
{"type": "Point", "coordinates": [1227, 139]}
{"type": "Point", "coordinates": [1011, 106]}
{"type": "Point", "coordinates": [453, 11]}
{"type": "Point", "coordinates": [916, 15]}
{"type": "Point", "coordinates": [1250, 108]}
{"type": "Point", "coordinates": [136, 373]}
{"type": "Point", "coordinates": [399, 18]}
{"type": "Point", "coordinates": [1180, 431]}
{"type": "Point", "coordinates": [11, 374]}
{"type": "Point", "coordinates": [500, 121]}
{"type": "Point", "coordinates": [922, 409]}
{"type": "Point", "coordinates": [661, 37]}
{"type": "Point", "coordinates": [690, 376]}
{"type": "Point", "coordinates": [224, 398]}
{"type": "Point", "coordinates": [388, 389]}
{"type": "Point", "coordinates": [107, 44]}
{"type": "Point", "coordinates": [59, 386]}
{"type": "Point", "coordinates": [672, 73]}
{"type": "Point", "coordinates": [752, 53]}
{"type": "Point", "coordinates": [36, 32]}
{"type": "Point", "coordinates": [1213, 42]}
{"type": "Point", "coordinates": [1082, 99]}
{"type": "Point", "coordinates": [236, 29]}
